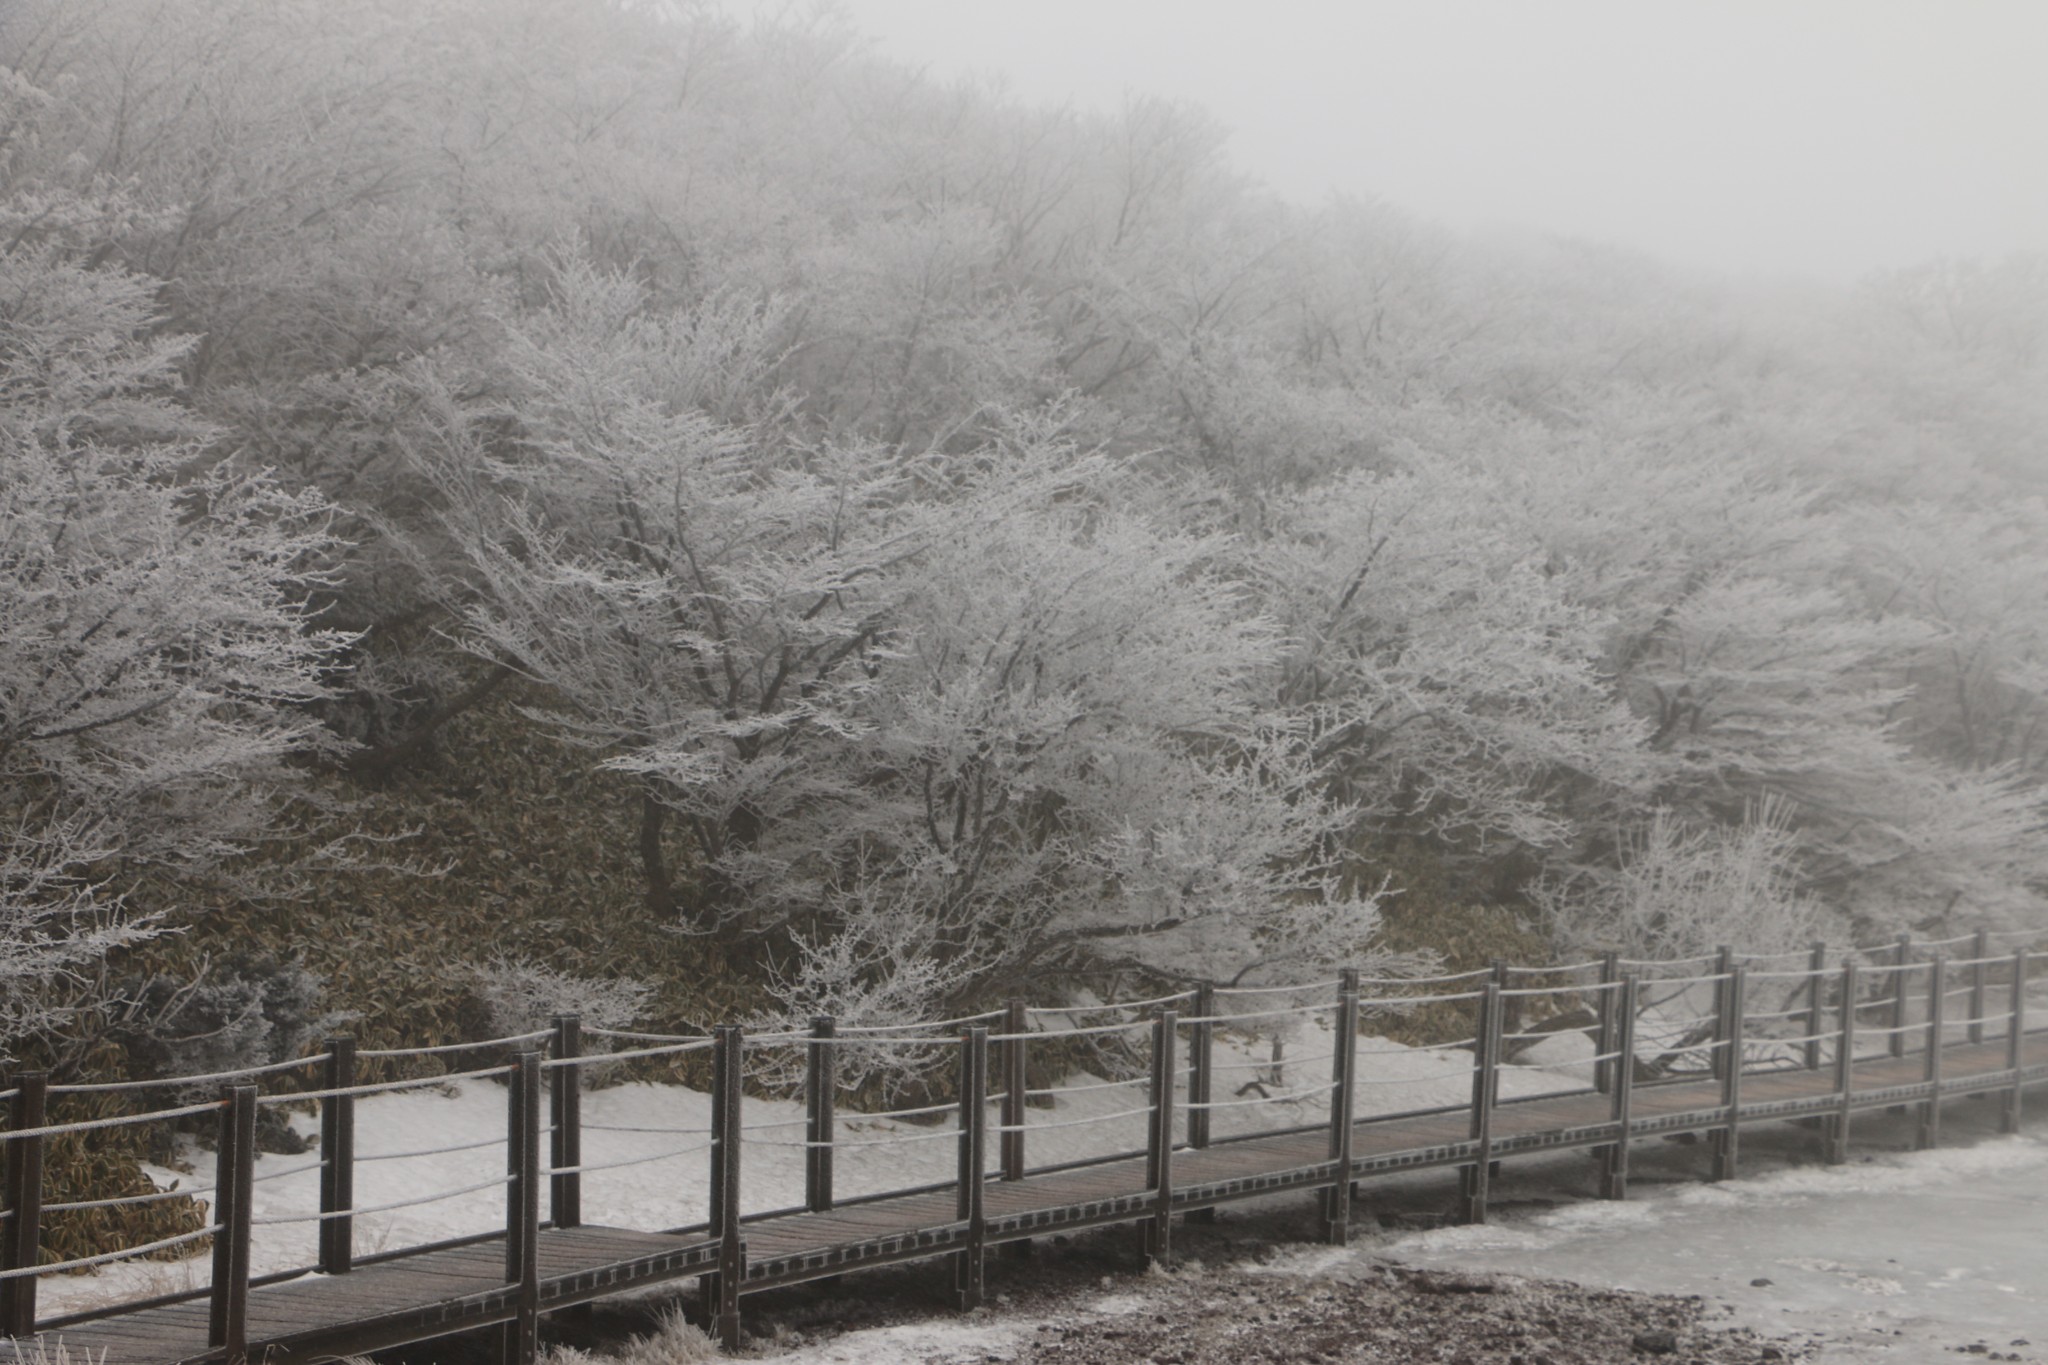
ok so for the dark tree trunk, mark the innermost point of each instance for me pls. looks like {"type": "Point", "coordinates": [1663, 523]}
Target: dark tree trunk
{"type": "Point", "coordinates": [661, 892]}
{"type": "Point", "coordinates": [381, 760]}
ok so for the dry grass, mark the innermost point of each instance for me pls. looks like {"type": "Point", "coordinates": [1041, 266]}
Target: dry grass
{"type": "Point", "coordinates": [42, 1350]}
{"type": "Point", "coordinates": [674, 1341]}
{"type": "Point", "coordinates": [1438, 911]}
{"type": "Point", "coordinates": [539, 852]}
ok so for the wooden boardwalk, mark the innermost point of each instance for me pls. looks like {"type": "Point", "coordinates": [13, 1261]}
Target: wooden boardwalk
{"type": "Point", "coordinates": [510, 1279]}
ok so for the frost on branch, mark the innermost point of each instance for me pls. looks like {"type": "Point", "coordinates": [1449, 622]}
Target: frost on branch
{"type": "Point", "coordinates": [708, 615]}
{"type": "Point", "coordinates": [523, 997]}
{"type": "Point", "coordinates": [1681, 890]}
{"type": "Point", "coordinates": [1454, 685]}
{"type": "Point", "coordinates": [1069, 769]}
{"type": "Point", "coordinates": [938, 719]}
{"type": "Point", "coordinates": [160, 649]}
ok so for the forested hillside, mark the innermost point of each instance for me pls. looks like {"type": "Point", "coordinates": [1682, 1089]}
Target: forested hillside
{"type": "Point", "coordinates": [497, 495]}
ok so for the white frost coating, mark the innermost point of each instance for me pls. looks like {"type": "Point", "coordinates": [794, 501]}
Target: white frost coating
{"type": "Point", "coordinates": [158, 653]}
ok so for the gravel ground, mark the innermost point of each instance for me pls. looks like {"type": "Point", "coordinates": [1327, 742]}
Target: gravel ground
{"type": "Point", "coordinates": [1390, 1314]}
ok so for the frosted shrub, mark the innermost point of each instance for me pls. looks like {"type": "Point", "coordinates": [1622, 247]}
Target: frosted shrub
{"type": "Point", "coordinates": [235, 1014]}
{"type": "Point", "coordinates": [1683, 890]}
{"type": "Point", "coordinates": [882, 969]}
{"type": "Point", "coordinates": [523, 997]}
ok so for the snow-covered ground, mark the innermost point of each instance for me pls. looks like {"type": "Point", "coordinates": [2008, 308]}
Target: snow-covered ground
{"type": "Point", "coordinates": [1902, 1256]}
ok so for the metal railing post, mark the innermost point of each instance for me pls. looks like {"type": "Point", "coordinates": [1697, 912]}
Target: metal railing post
{"type": "Point", "coordinates": [1614, 1157]}
{"type": "Point", "coordinates": [1980, 983]}
{"type": "Point", "coordinates": [969, 1263]}
{"type": "Point", "coordinates": [723, 1302]}
{"type": "Point", "coordinates": [227, 1319]}
{"type": "Point", "coordinates": [520, 1340]}
{"type": "Point", "coordinates": [338, 1159]}
{"type": "Point", "coordinates": [821, 1122]}
{"type": "Point", "coordinates": [1901, 996]}
{"type": "Point", "coordinates": [1728, 1141]}
{"type": "Point", "coordinates": [1603, 1033]}
{"type": "Point", "coordinates": [21, 1247]}
{"type": "Point", "coordinates": [565, 1124]}
{"type": "Point", "coordinates": [1485, 1081]}
{"type": "Point", "coordinates": [1343, 1109]}
{"type": "Point", "coordinates": [1929, 1133]}
{"type": "Point", "coordinates": [1159, 1141]}
{"type": "Point", "coordinates": [1845, 1067]}
{"type": "Point", "coordinates": [2015, 1044]}
{"type": "Point", "coordinates": [1816, 1001]}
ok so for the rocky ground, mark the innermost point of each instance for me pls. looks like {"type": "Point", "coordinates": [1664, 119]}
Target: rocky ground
{"type": "Point", "coordinates": [1391, 1314]}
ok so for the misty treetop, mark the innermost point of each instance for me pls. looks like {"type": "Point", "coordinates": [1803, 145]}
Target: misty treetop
{"type": "Point", "coordinates": [994, 544]}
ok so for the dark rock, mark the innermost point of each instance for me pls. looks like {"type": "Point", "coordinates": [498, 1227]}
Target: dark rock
{"type": "Point", "coordinates": [1658, 1343]}
{"type": "Point", "coordinates": [1433, 1283]}
{"type": "Point", "coordinates": [1761, 1282]}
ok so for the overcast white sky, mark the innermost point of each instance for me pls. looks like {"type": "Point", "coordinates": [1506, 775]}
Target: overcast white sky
{"type": "Point", "coordinates": [1813, 136]}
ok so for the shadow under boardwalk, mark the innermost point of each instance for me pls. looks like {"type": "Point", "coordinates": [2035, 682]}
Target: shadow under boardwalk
{"type": "Point", "coordinates": [413, 1298]}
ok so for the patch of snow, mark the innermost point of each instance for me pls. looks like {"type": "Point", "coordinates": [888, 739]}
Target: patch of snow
{"type": "Point", "coordinates": [1305, 1262]}
{"type": "Point", "coordinates": [1900, 1254]}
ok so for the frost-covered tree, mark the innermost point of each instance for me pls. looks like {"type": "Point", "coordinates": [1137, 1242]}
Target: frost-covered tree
{"type": "Point", "coordinates": [662, 358]}
{"type": "Point", "coordinates": [1074, 760]}
{"type": "Point", "coordinates": [160, 649]}
{"type": "Point", "coordinates": [960, 715]}
{"type": "Point", "coordinates": [1680, 890]}
{"type": "Point", "coordinates": [682, 592]}
{"type": "Point", "coordinates": [1977, 578]}
{"type": "Point", "coordinates": [1746, 644]}
{"type": "Point", "coordinates": [1455, 688]}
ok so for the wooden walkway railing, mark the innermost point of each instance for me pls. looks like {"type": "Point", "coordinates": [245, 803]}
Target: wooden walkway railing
{"type": "Point", "coordinates": [1905, 1026]}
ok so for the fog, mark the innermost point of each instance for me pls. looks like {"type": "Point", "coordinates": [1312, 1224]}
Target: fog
{"type": "Point", "coordinates": [1825, 137]}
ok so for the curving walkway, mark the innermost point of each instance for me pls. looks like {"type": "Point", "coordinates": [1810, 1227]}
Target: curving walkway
{"type": "Point", "coordinates": [1857, 1036]}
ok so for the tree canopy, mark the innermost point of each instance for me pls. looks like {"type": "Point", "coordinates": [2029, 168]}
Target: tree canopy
{"type": "Point", "coordinates": [989, 541]}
